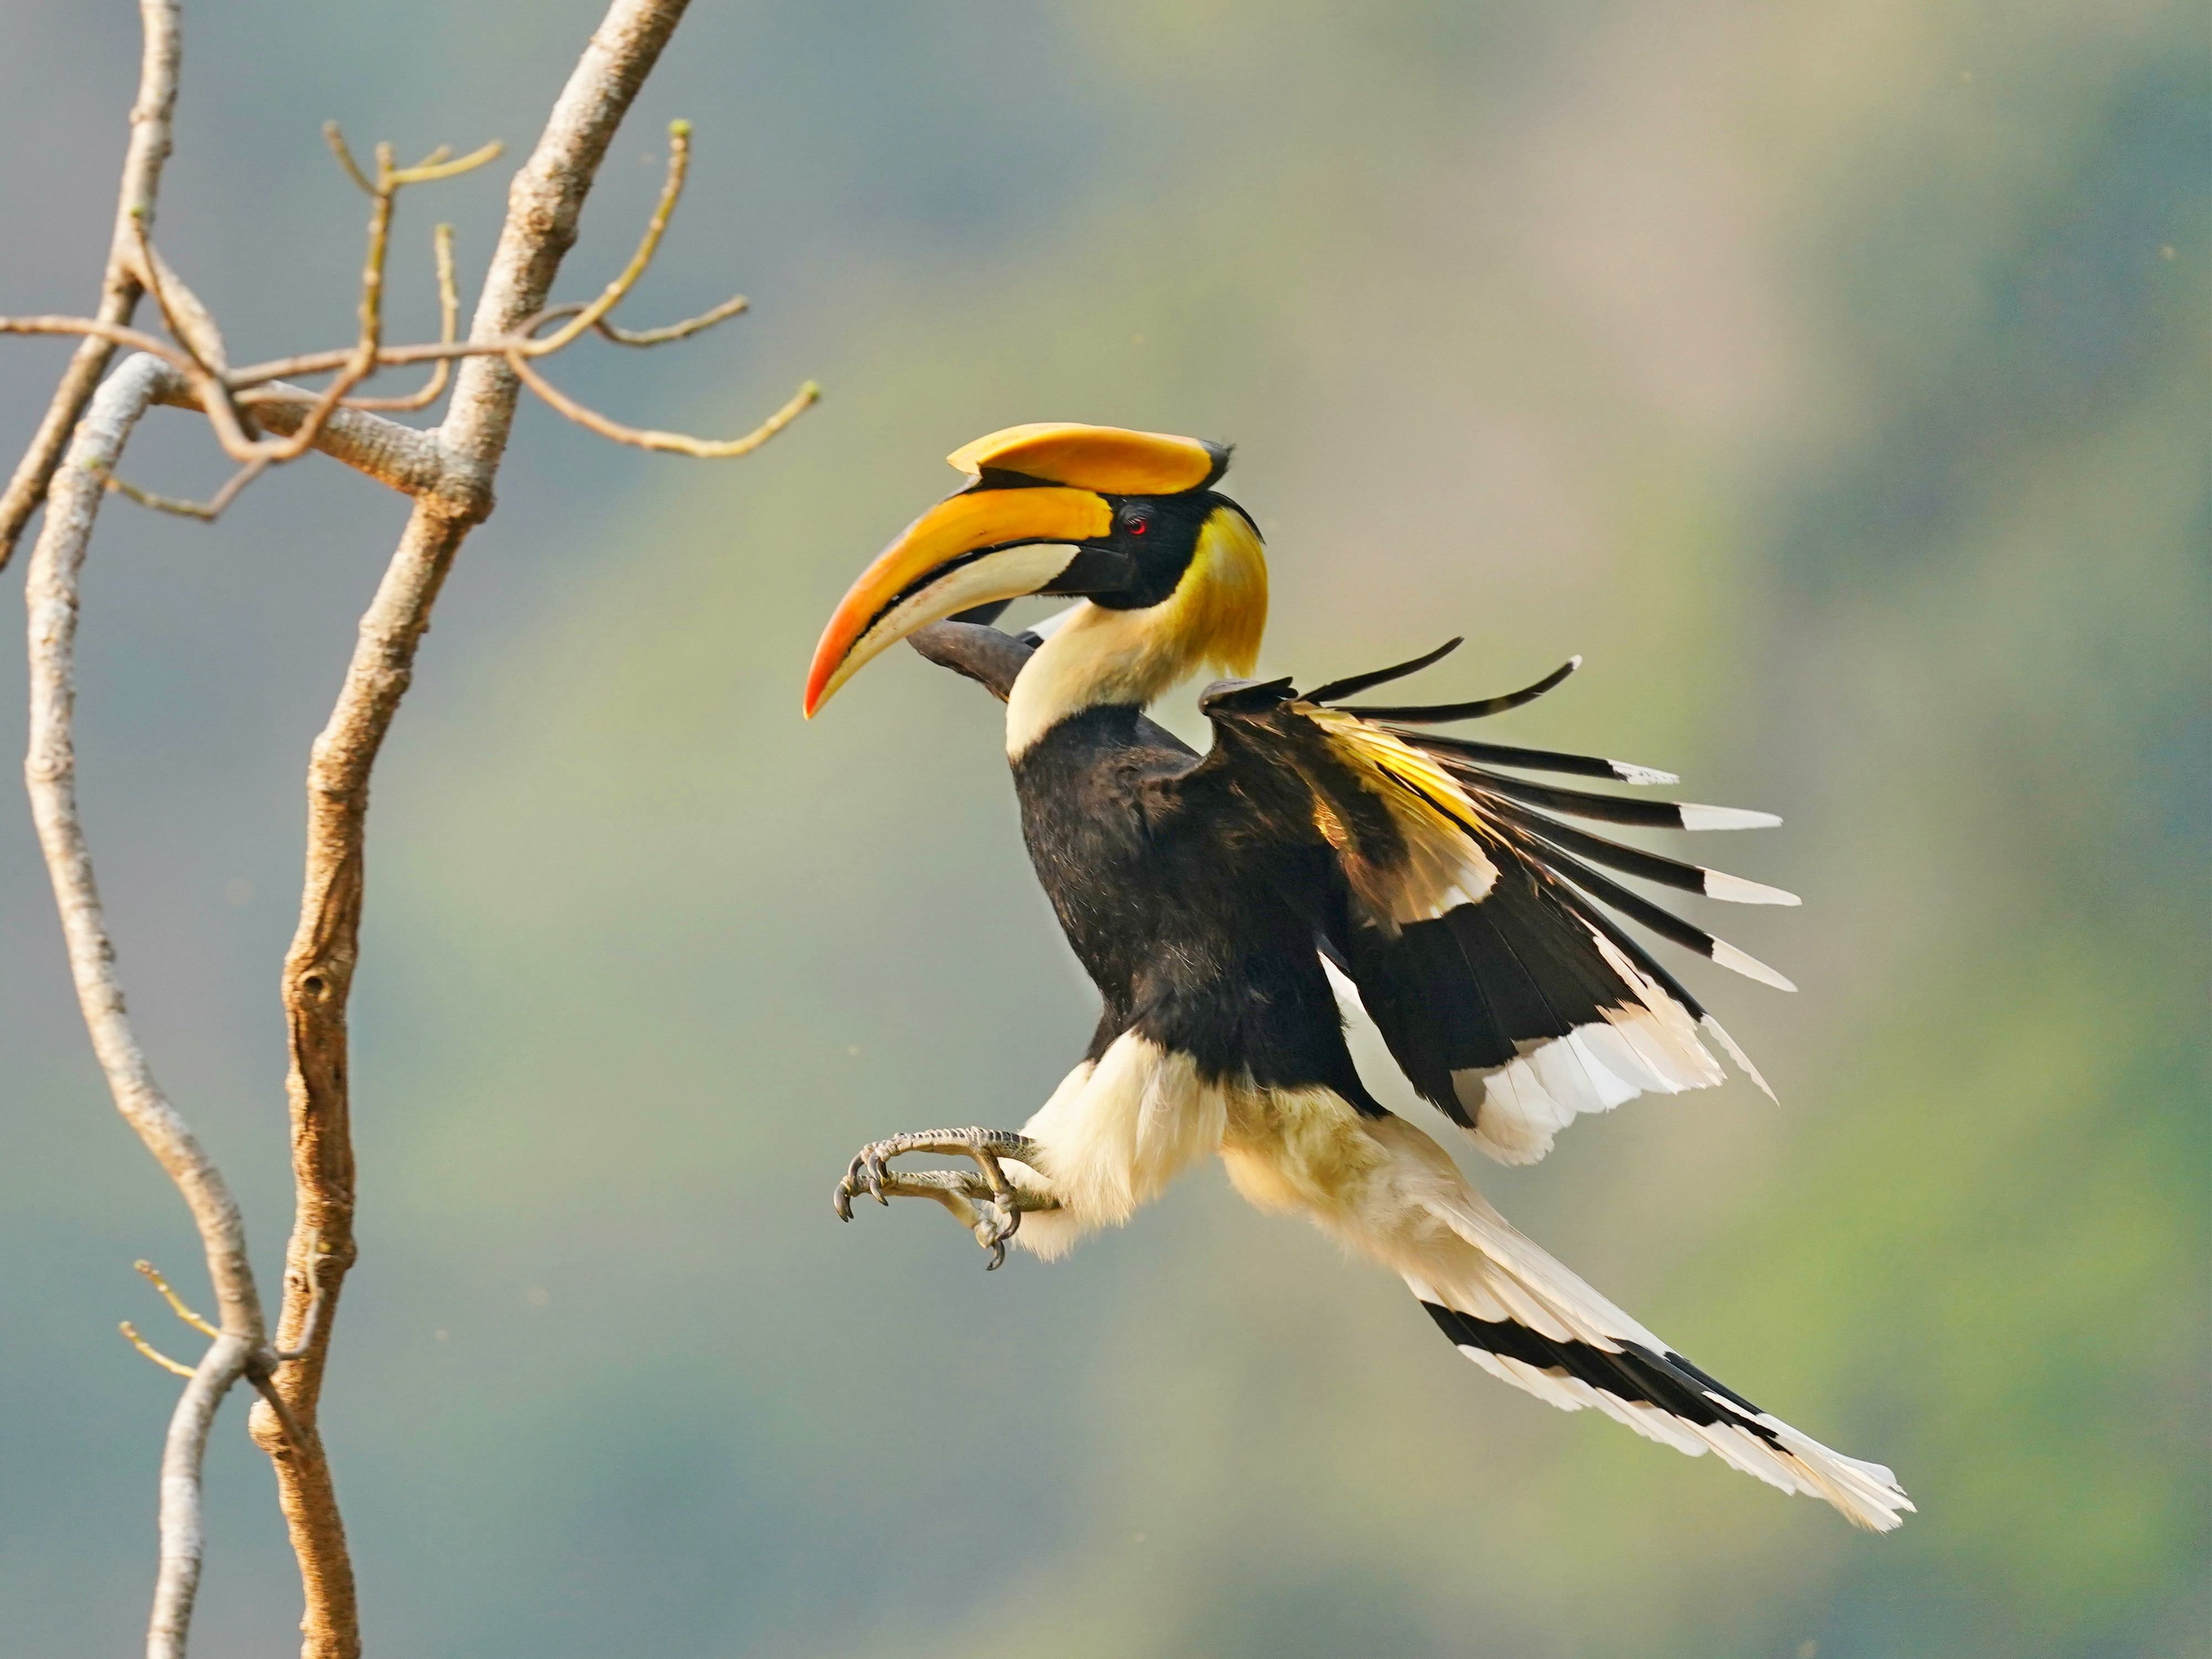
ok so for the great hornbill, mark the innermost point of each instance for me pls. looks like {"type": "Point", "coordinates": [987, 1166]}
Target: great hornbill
{"type": "Point", "coordinates": [1321, 850]}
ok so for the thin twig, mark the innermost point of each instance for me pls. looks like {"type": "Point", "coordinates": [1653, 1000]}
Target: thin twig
{"type": "Point", "coordinates": [679, 443]}
{"type": "Point", "coordinates": [360, 362]}
{"type": "Point", "coordinates": [206, 511]}
{"type": "Point", "coordinates": [200, 357]}
{"type": "Point", "coordinates": [682, 330]}
{"type": "Point", "coordinates": [336, 140]}
{"type": "Point", "coordinates": [434, 166]}
{"type": "Point", "coordinates": [189, 320]}
{"type": "Point", "coordinates": [150, 272]}
{"type": "Point", "coordinates": [645, 336]}
{"type": "Point", "coordinates": [214, 395]}
{"type": "Point", "coordinates": [50, 594]}
{"type": "Point", "coordinates": [153, 1276]}
{"type": "Point", "coordinates": [152, 115]}
{"type": "Point", "coordinates": [679, 163]}
{"type": "Point", "coordinates": [449, 318]}
{"type": "Point", "coordinates": [130, 1335]}
{"type": "Point", "coordinates": [110, 334]}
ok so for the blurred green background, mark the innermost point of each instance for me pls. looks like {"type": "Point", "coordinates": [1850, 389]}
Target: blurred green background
{"type": "Point", "coordinates": [1834, 377]}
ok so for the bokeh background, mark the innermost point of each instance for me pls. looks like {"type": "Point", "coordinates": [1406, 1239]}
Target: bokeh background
{"type": "Point", "coordinates": [1834, 377]}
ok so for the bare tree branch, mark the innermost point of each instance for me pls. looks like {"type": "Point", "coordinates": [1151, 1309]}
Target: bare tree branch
{"type": "Point", "coordinates": [679, 163]}
{"type": "Point", "coordinates": [208, 511]}
{"type": "Point", "coordinates": [449, 318]}
{"type": "Point", "coordinates": [51, 595]}
{"type": "Point", "coordinates": [544, 203]}
{"type": "Point", "coordinates": [449, 473]}
{"type": "Point", "coordinates": [678, 443]}
{"type": "Point", "coordinates": [130, 1335]}
{"type": "Point", "coordinates": [189, 322]}
{"type": "Point", "coordinates": [153, 1277]}
{"type": "Point", "coordinates": [232, 399]}
{"type": "Point", "coordinates": [730, 308]}
{"type": "Point", "coordinates": [412, 462]}
{"type": "Point", "coordinates": [151, 115]}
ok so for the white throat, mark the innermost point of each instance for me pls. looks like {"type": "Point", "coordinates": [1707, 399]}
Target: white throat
{"type": "Point", "coordinates": [1094, 656]}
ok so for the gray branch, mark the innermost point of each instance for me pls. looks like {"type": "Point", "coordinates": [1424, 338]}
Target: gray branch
{"type": "Point", "coordinates": [51, 595]}
{"type": "Point", "coordinates": [414, 462]}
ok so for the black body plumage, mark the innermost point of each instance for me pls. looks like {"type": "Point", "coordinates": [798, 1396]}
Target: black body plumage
{"type": "Point", "coordinates": [1201, 941]}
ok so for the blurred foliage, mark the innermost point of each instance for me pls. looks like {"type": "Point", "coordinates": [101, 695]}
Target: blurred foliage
{"type": "Point", "coordinates": [1835, 377]}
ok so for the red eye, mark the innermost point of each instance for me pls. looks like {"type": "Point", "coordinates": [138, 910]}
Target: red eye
{"type": "Point", "coordinates": [1138, 526]}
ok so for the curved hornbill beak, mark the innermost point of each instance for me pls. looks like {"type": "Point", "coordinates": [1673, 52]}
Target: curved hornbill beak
{"type": "Point", "coordinates": [1039, 518]}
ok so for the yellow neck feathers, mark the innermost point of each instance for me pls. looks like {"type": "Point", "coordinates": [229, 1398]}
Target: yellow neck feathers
{"type": "Point", "coordinates": [1214, 617]}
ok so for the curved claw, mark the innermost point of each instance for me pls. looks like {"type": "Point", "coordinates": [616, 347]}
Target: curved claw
{"type": "Point", "coordinates": [997, 1220]}
{"type": "Point", "coordinates": [841, 1200]}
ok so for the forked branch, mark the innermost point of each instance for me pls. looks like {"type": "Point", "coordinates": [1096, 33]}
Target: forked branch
{"type": "Point", "coordinates": [262, 422]}
{"type": "Point", "coordinates": [230, 397]}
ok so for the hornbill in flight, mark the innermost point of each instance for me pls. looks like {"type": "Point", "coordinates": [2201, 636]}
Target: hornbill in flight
{"type": "Point", "coordinates": [1321, 850]}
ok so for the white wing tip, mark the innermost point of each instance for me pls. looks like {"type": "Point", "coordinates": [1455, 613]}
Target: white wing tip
{"type": "Point", "coordinates": [1630, 772]}
{"type": "Point", "coordinates": [1695, 816]}
{"type": "Point", "coordinates": [1742, 1060]}
{"type": "Point", "coordinates": [1736, 890]}
{"type": "Point", "coordinates": [1742, 962]}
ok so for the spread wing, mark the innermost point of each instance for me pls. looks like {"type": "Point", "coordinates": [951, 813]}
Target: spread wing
{"type": "Point", "coordinates": [1481, 935]}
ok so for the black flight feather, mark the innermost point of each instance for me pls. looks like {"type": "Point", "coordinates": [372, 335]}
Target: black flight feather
{"type": "Point", "coordinates": [1438, 713]}
{"type": "Point", "coordinates": [1668, 872]}
{"type": "Point", "coordinates": [1533, 760]}
{"type": "Point", "coordinates": [1357, 683]}
{"type": "Point", "coordinates": [1576, 803]}
{"type": "Point", "coordinates": [1642, 910]}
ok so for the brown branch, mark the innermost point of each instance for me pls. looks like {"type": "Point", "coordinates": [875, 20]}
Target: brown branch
{"type": "Point", "coordinates": [189, 322]}
{"type": "Point", "coordinates": [647, 336]}
{"type": "Point", "coordinates": [413, 462]}
{"type": "Point", "coordinates": [107, 334]}
{"type": "Point", "coordinates": [206, 511]}
{"type": "Point", "coordinates": [679, 163]}
{"type": "Point", "coordinates": [364, 359]}
{"type": "Point", "coordinates": [449, 318]}
{"type": "Point", "coordinates": [51, 595]}
{"type": "Point", "coordinates": [151, 117]}
{"type": "Point", "coordinates": [682, 330]}
{"type": "Point", "coordinates": [544, 203]}
{"type": "Point", "coordinates": [212, 390]}
{"type": "Point", "coordinates": [201, 361]}
{"type": "Point", "coordinates": [678, 443]}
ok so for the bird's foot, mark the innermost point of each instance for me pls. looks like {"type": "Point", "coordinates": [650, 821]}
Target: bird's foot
{"type": "Point", "coordinates": [986, 1202]}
